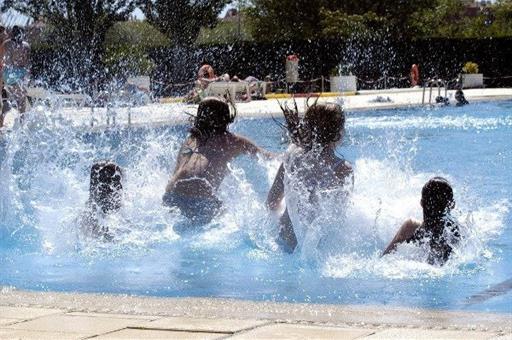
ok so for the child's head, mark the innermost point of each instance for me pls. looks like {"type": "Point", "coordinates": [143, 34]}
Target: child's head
{"type": "Point", "coordinates": [17, 34]}
{"type": "Point", "coordinates": [213, 118]}
{"type": "Point", "coordinates": [325, 123]}
{"type": "Point", "coordinates": [106, 186]}
{"type": "Point", "coordinates": [437, 197]}
{"type": "Point", "coordinates": [322, 125]}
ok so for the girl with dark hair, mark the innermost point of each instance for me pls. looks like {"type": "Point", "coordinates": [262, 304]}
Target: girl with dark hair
{"type": "Point", "coordinates": [203, 162]}
{"type": "Point", "coordinates": [311, 164]}
{"type": "Point", "coordinates": [438, 229]}
{"type": "Point", "coordinates": [105, 198]}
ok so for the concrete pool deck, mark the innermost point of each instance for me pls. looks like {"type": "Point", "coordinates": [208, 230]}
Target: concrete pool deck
{"type": "Point", "coordinates": [50, 315]}
{"type": "Point", "coordinates": [158, 114]}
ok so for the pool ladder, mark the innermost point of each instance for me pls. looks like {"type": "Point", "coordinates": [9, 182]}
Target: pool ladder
{"type": "Point", "coordinates": [431, 84]}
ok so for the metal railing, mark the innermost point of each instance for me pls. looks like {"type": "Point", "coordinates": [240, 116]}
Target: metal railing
{"type": "Point", "coordinates": [431, 84]}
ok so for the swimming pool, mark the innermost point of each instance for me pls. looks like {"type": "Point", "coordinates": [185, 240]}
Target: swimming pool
{"type": "Point", "coordinates": [44, 185]}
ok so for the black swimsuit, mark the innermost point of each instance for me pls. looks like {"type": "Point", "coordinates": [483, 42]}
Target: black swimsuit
{"type": "Point", "coordinates": [439, 241]}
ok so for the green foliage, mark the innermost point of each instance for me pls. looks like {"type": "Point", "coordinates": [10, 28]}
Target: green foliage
{"type": "Point", "coordinates": [340, 24]}
{"type": "Point", "coordinates": [271, 20]}
{"type": "Point", "coordinates": [470, 68]}
{"type": "Point", "coordinates": [224, 32]}
{"type": "Point", "coordinates": [126, 47]}
{"type": "Point", "coordinates": [341, 70]}
{"type": "Point", "coordinates": [448, 20]}
{"type": "Point", "coordinates": [83, 23]}
{"type": "Point", "coordinates": [181, 20]}
{"type": "Point", "coordinates": [309, 19]}
{"type": "Point", "coordinates": [138, 34]}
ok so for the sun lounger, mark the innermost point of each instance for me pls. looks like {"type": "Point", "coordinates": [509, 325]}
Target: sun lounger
{"type": "Point", "coordinates": [236, 90]}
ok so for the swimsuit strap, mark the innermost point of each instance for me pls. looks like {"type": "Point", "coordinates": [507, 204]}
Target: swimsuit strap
{"type": "Point", "coordinates": [187, 150]}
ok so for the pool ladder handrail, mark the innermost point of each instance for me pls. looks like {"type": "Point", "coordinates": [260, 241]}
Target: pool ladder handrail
{"type": "Point", "coordinates": [431, 83]}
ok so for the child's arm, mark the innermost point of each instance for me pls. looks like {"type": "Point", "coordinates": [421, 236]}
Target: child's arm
{"type": "Point", "coordinates": [405, 234]}
{"type": "Point", "coordinates": [246, 146]}
{"type": "Point", "coordinates": [345, 173]}
{"type": "Point", "coordinates": [276, 193]}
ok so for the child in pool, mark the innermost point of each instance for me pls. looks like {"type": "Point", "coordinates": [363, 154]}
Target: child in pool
{"type": "Point", "coordinates": [105, 198]}
{"type": "Point", "coordinates": [312, 160]}
{"type": "Point", "coordinates": [202, 162]}
{"type": "Point", "coordinates": [438, 229]}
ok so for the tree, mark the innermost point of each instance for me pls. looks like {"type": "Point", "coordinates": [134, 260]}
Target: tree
{"type": "Point", "coordinates": [78, 28]}
{"type": "Point", "coordinates": [181, 20]}
{"type": "Point", "coordinates": [307, 19]}
{"type": "Point", "coordinates": [448, 20]}
{"type": "Point", "coordinates": [127, 45]}
{"type": "Point", "coordinates": [84, 21]}
{"type": "Point", "coordinates": [271, 20]}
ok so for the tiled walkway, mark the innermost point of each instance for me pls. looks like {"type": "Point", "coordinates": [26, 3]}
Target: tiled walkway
{"type": "Point", "coordinates": [30, 315]}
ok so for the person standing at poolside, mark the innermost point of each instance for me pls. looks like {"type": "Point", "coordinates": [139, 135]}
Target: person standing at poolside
{"type": "Point", "coordinates": [202, 162]}
{"type": "Point", "coordinates": [438, 230]}
{"type": "Point", "coordinates": [16, 69]}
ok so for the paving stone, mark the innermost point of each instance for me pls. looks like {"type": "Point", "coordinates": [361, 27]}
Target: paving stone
{"type": "Point", "coordinates": [203, 324]}
{"type": "Point", "coordinates": [24, 334]}
{"type": "Point", "coordinates": [293, 331]}
{"type": "Point", "coordinates": [4, 321]}
{"type": "Point", "coordinates": [115, 316]}
{"type": "Point", "coordinates": [74, 324]}
{"type": "Point", "coordinates": [503, 337]}
{"type": "Point", "coordinates": [401, 333]}
{"type": "Point", "coordinates": [25, 313]}
{"type": "Point", "coordinates": [158, 334]}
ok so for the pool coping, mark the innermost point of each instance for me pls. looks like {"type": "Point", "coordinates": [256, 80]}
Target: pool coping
{"type": "Point", "coordinates": [165, 114]}
{"type": "Point", "coordinates": [358, 316]}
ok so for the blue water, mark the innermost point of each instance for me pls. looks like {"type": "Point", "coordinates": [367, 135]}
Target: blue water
{"type": "Point", "coordinates": [44, 185]}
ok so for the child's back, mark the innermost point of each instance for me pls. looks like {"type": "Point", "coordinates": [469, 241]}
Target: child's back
{"type": "Point", "coordinates": [439, 231]}
{"type": "Point", "coordinates": [203, 160]}
{"type": "Point", "coordinates": [310, 171]}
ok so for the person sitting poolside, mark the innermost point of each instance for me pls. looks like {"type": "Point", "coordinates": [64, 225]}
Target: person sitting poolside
{"type": "Point", "coordinates": [205, 75]}
{"type": "Point", "coordinates": [202, 162]}
{"type": "Point", "coordinates": [312, 163]}
{"type": "Point", "coordinates": [105, 198]}
{"type": "Point", "coordinates": [438, 229]}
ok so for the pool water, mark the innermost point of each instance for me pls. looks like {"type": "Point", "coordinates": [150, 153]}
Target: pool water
{"type": "Point", "coordinates": [44, 185]}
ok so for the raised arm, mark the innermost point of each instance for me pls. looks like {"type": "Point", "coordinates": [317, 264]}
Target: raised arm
{"type": "Point", "coordinates": [247, 147]}
{"type": "Point", "coordinates": [276, 193]}
{"type": "Point", "coordinates": [405, 234]}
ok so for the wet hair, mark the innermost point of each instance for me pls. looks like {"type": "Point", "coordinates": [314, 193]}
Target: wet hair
{"type": "Point", "coordinates": [17, 33]}
{"type": "Point", "coordinates": [106, 186]}
{"type": "Point", "coordinates": [437, 197]}
{"type": "Point", "coordinates": [213, 118]}
{"type": "Point", "coordinates": [321, 125]}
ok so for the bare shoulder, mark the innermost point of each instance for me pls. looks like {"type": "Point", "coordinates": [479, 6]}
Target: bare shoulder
{"type": "Point", "coordinates": [344, 169]}
{"type": "Point", "coordinates": [408, 228]}
{"type": "Point", "coordinates": [242, 144]}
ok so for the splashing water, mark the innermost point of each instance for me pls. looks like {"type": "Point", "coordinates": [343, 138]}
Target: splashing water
{"type": "Point", "coordinates": [44, 186]}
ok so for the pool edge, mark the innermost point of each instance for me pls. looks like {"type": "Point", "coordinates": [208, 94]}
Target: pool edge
{"type": "Point", "coordinates": [222, 308]}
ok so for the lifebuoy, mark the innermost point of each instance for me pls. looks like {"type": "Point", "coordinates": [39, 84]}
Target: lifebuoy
{"type": "Point", "coordinates": [415, 75]}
